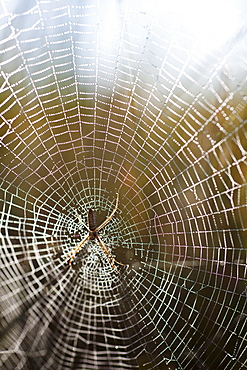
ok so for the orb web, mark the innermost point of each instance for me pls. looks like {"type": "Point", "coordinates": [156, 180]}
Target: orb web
{"type": "Point", "coordinates": [119, 97]}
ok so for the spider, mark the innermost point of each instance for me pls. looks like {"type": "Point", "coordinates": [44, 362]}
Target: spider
{"type": "Point", "coordinates": [94, 235]}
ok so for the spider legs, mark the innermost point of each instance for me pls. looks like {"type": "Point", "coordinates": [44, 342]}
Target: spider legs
{"type": "Point", "coordinates": [93, 234]}
{"type": "Point", "coordinates": [78, 247]}
{"type": "Point", "coordinates": [108, 219]}
{"type": "Point", "coordinates": [108, 254]}
{"type": "Point", "coordinates": [76, 250]}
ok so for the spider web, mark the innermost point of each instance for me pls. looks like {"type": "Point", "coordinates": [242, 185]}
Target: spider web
{"type": "Point", "coordinates": [120, 96]}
